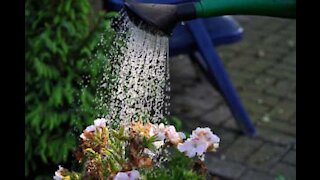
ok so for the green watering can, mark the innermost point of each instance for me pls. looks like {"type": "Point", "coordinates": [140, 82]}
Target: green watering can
{"type": "Point", "coordinates": [166, 16]}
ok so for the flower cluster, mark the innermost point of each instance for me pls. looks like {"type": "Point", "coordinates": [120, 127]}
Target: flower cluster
{"type": "Point", "coordinates": [200, 141]}
{"type": "Point", "coordinates": [120, 154]}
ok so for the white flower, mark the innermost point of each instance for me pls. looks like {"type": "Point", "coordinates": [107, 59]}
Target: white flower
{"type": "Point", "coordinates": [206, 135]}
{"type": "Point", "coordinates": [182, 135]}
{"type": "Point", "coordinates": [173, 136]}
{"type": "Point", "coordinates": [193, 146]}
{"type": "Point", "coordinates": [129, 175]}
{"type": "Point", "coordinates": [158, 130]}
{"type": "Point", "coordinates": [82, 136]}
{"type": "Point", "coordinates": [57, 174]}
{"type": "Point", "coordinates": [100, 122]}
{"type": "Point", "coordinates": [91, 128]}
{"type": "Point", "coordinates": [158, 144]}
{"type": "Point", "coordinates": [160, 136]}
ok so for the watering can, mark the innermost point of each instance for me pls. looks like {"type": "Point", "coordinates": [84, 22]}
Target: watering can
{"type": "Point", "coordinates": [166, 16]}
{"type": "Point", "coordinates": [206, 33]}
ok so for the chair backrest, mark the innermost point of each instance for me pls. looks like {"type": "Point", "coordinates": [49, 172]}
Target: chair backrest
{"type": "Point", "coordinates": [222, 30]}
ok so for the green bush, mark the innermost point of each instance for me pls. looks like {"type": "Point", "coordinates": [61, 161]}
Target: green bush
{"type": "Point", "coordinates": [60, 38]}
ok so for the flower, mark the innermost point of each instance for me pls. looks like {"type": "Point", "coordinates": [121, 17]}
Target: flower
{"type": "Point", "coordinates": [59, 174]}
{"type": "Point", "coordinates": [158, 144]}
{"type": "Point", "coordinates": [158, 130]}
{"type": "Point", "coordinates": [91, 128]}
{"type": "Point", "coordinates": [166, 132]}
{"type": "Point", "coordinates": [143, 129]}
{"type": "Point", "coordinates": [207, 135]}
{"type": "Point", "coordinates": [173, 136]}
{"type": "Point", "coordinates": [129, 175]}
{"type": "Point", "coordinates": [193, 146]}
{"type": "Point", "coordinates": [100, 122]}
{"type": "Point", "coordinates": [87, 131]}
{"type": "Point", "coordinates": [82, 136]}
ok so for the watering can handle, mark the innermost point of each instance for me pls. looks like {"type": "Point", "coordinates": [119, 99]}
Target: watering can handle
{"type": "Point", "coordinates": [275, 8]}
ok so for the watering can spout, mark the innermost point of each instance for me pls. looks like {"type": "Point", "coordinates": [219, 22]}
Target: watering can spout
{"type": "Point", "coordinates": [162, 16]}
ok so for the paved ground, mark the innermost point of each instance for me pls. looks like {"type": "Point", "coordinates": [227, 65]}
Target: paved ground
{"type": "Point", "coordinates": [263, 69]}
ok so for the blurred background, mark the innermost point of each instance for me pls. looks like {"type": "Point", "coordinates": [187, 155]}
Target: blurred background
{"type": "Point", "coordinates": [61, 43]}
{"type": "Point", "coordinates": [262, 66]}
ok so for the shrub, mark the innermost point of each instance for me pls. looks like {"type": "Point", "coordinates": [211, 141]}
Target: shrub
{"type": "Point", "coordinates": [60, 38]}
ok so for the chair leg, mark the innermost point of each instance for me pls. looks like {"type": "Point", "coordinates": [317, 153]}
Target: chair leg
{"type": "Point", "coordinates": [215, 67]}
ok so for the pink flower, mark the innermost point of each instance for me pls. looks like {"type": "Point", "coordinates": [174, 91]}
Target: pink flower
{"type": "Point", "coordinates": [166, 132]}
{"type": "Point", "coordinates": [158, 130]}
{"type": "Point", "coordinates": [206, 135]}
{"type": "Point", "coordinates": [90, 128]}
{"type": "Point", "coordinates": [193, 146]}
{"type": "Point", "coordinates": [173, 136]}
{"type": "Point", "coordinates": [100, 122]}
{"type": "Point", "coordinates": [129, 175]}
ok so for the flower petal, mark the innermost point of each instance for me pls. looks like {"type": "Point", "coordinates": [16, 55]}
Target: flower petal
{"type": "Point", "coordinates": [91, 128]}
{"type": "Point", "coordinates": [100, 122]}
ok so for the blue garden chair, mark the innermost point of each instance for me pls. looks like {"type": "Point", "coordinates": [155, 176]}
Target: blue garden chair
{"type": "Point", "coordinates": [202, 35]}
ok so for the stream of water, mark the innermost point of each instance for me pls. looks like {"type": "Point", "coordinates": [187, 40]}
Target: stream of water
{"type": "Point", "coordinates": [139, 80]}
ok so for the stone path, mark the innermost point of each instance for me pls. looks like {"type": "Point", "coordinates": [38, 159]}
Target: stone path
{"type": "Point", "coordinates": [263, 69]}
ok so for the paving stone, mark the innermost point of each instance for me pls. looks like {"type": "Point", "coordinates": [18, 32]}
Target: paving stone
{"type": "Point", "coordinates": [266, 157]}
{"type": "Point", "coordinates": [239, 63]}
{"type": "Point", "coordinates": [282, 127]}
{"type": "Point", "coordinates": [254, 107]}
{"type": "Point", "coordinates": [224, 168]}
{"type": "Point", "coordinates": [231, 124]}
{"type": "Point", "coordinates": [256, 175]}
{"type": "Point", "coordinates": [290, 158]}
{"type": "Point", "coordinates": [280, 74]}
{"type": "Point", "coordinates": [269, 101]}
{"type": "Point", "coordinates": [287, 67]}
{"type": "Point", "coordinates": [288, 171]}
{"type": "Point", "coordinates": [250, 95]}
{"type": "Point", "coordinates": [285, 86]}
{"type": "Point", "coordinates": [291, 96]}
{"type": "Point", "coordinates": [284, 110]}
{"type": "Point", "coordinates": [188, 71]}
{"type": "Point", "coordinates": [276, 137]}
{"type": "Point", "coordinates": [194, 101]}
{"type": "Point", "coordinates": [218, 115]}
{"type": "Point", "coordinates": [240, 76]}
{"type": "Point", "coordinates": [258, 66]}
{"type": "Point", "coordinates": [226, 139]}
{"type": "Point", "coordinates": [290, 59]}
{"type": "Point", "coordinates": [293, 120]}
{"type": "Point", "coordinates": [248, 146]}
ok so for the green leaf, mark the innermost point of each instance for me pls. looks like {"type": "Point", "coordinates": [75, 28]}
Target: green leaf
{"type": "Point", "coordinates": [113, 165]}
{"type": "Point", "coordinates": [67, 5]}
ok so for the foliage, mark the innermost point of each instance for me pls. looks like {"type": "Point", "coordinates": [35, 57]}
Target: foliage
{"type": "Point", "coordinates": [178, 167]}
{"type": "Point", "coordinates": [106, 153]}
{"type": "Point", "coordinates": [60, 38]}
